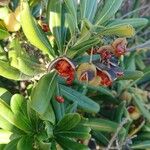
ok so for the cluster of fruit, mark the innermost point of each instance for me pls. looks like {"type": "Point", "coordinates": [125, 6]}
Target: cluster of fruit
{"type": "Point", "coordinates": [100, 72]}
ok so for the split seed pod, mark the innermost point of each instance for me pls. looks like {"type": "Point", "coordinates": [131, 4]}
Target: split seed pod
{"type": "Point", "coordinates": [105, 77]}
{"type": "Point", "coordinates": [105, 51]}
{"type": "Point", "coordinates": [134, 112]}
{"type": "Point", "coordinates": [86, 72]}
{"type": "Point", "coordinates": [64, 67]}
{"type": "Point", "coordinates": [119, 46]}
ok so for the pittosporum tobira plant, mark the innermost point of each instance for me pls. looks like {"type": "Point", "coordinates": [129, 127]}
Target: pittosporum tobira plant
{"type": "Point", "coordinates": [69, 55]}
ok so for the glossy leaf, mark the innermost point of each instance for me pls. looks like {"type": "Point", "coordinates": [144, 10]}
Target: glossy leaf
{"type": "Point", "coordinates": [139, 103]}
{"type": "Point", "coordinates": [84, 102]}
{"type": "Point", "coordinates": [88, 9]}
{"type": "Point", "coordinates": [33, 33]}
{"type": "Point", "coordinates": [25, 143]}
{"type": "Point", "coordinates": [131, 75]}
{"type": "Point", "coordinates": [3, 55]}
{"type": "Point", "coordinates": [18, 104]}
{"type": "Point", "coordinates": [79, 131]}
{"type": "Point", "coordinates": [12, 145]}
{"type": "Point", "coordinates": [48, 115]}
{"type": "Point", "coordinates": [135, 22]}
{"type": "Point", "coordinates": [86, 58]}
{"type": "Point", "coordinates": [119, 30]}
{"type": "Point", "coordinates": [68, 122]}
{"type": "Point", "coordinates": [8, 115]}
{"type": "Point", "coordinates": [29, 67]}
{"type": "Point", "coordinates": [71, 6]}
{"type": "Point", "coordinates": [5, 95]}
{"type": "Point", "coordinates": [22, 61]}
{"type": "Point", "coordinates": [109, 9]}
{"type": "Point", "coordinates": [43, 92]}
{"type": "Point", "coordinates": [119, 112]}
{"type": "Point", "coordinates": [58, 109]}
{"type": "Point", "coordinates": [6, 125]}
{"type": "Point", "coordinates": [141, 145]}
{"type": "Point", "coordinates": [55, 22]}
{"type": "Point", "coordinates": [69, 144]}
{"type": "Point", "coordinates": [71, 108]}
{"type": "Point", "coordinates": [4, 136]}
{"type": "Point", "coordinates": [82, 47]}
{"type": "Point", "coordinates": [3, 34]}
{"type": "Point", "coordinates": [4, 12]}
{"type": "Point", "coordinates": [100, 138]}
{"type": "Point", "coordinates": [11, 73]}
{"type": "Point", "coordinates": [102, 125]}
{"type": "Point", "coordinates": [71, 24]}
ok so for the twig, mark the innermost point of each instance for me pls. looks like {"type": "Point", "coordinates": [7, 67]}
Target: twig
{"type": "Point", "coordinates": [144, 45]}
{"type": "Point", "coordinates": [115, 135]}
{"type": "Point", "coordinates": [138, 9]}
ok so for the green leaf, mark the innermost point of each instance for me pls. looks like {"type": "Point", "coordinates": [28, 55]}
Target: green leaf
{"type": "Point", "coordinates": [119, 30]}
{"type": "Point", "coordinates": [131, 75]}
{"type": "Point", "coordinates": [44, 145]}
{"type": "Point", "coordinates": [58, 109]}
{"type": "Point", "coordinates": [130, 62]}
{"type": "Point", "coordinates": [25, 143]}
{"type": "Point", "coordinates": [68, 122]}
{"type": "Point", "coordinates": [2, 146]}
{"type": "Point", "coordinates": [55, 21]}
{"type": "Point", "coordinates": [79, 132]}
{"type": "Point", "coordinates": [119, 112]}
{"type": "Point", "coordinates": [86, 31]}
{"type": "Point", "coordinates": [141, 145]}
{"type": "Point", "coordinates": [3, 34]}
{"type": "Point", "coordinates": [69, 144]}
{"type": "Point", "coordinates": [18, 104]}
{"type": "Point", "coordinates": [71, 6]}
{"type": "Point", "coordinates": [32, 31]}
{"type": "Point", "coordinates": [12, 145]}
{"type": "Point", "coordinates": [86, 58]}
{"type": "Point", "coordinates": [83, 101]}
{"type": "Point", "coordinates": [109, 9]}
{"type": "Point", "coordinates": [102, 125]}
{"type": "Point", "coordinates": [11, 73]}
{"type": "Point", "coordinates": [29, 67]}
{"type": "Point", "coordinates": [143, 136]}
{"type": "Point", "coordinates": [71, 108]}
{"type": "Point", "coordinates": [5, 95]}
{"type": "Point", "coordinates": [4, 11]}
{"type": "Point", "coordinates": [135, 22]}
{"type": "Point", "coordinates": [88, 9]}
{"type": "Point", "coordinates": [43, 92]}
{"type": "Point", "coordinates": [4, 136]}
{"type": "Point", "coordinates": [15, 120]}
{"type": "Point", "coordinates": [140, 104]}
{"type": "Point", "coordinates": [22, 61]}
{"type": "Point", "coordinates": [6, 125]}
{"type": "Point", "coordinates": [100, 138]}
{"type": "Point", "coordinates": [3, 54]}
{"type": "Point", "coordinates": [82, 47]}
{"type": "Point", "coordinates": [48, 115]}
